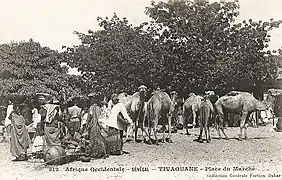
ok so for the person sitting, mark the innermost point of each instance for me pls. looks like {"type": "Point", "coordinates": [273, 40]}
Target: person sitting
{"type": "Point", "coordinates": [73, 140]}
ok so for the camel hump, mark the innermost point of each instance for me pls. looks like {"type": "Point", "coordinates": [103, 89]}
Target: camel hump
{"type": "Point", "coordinates": [234, 93]}
{"type": "Point", "coordinates": [161, 97]}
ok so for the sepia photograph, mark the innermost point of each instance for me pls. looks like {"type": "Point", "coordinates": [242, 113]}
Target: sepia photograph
{"type": "Point", "coordinates": [140, 89]}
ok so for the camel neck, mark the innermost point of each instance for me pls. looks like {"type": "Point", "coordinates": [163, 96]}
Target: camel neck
{"type": "Point", "coordinates": [142, 96]}
{"type": "Point", "coordinates": [269, 101]}
{"type": "Point", "coordinates": [173, 99]}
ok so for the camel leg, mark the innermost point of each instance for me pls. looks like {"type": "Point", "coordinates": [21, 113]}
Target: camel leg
{"type": "Point", "coordinates": [206, 130]}
{"type": "Point", "coordinates": [219, 125]}
{"type": "Point", "coordinates": [186, 127]}
{"type": "Point", "coordinates": [200, 139]}
{"type": "Point", "coordinates": [136, 131]}
{"type": "Point", "coordinates": [242, 124]}
{"type": "Point", "coordinates": [209, 133]}
{"type": "Point", "coordinates": [194, 119]}
{"type": "Point", "coordinates": [257, 119]}
{"type": "Point", "coordinates": [217, 130]}
{"type": "Point", "coordinates": [225, 136]}
{"type": "Point", "coordinates": [169, 129]}
{"type": "Point", "coordinates": [164, 129]}
{"type": "Point", "coordinates": [245, 130]}
{"type": "Point", "coordinates": [219, 135]}
{"type": "Point", "coordinates": [185, 121]}
{"type": "Point", "coordinates": [127, 134]}
{"type": "Point", "coordinates": [149, 132]}
{"type": "Point", "coordinates": [143, 130]}
{"type": "Point", "coordinates": [206, 133]}
{"type": "Point", "coordinates": [246, 125]}
{"type": "Point", "coordinates": [155, 133]}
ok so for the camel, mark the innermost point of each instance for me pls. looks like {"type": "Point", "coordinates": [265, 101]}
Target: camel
{"type": "Point", "coordinates": [206, 113]}
{"type": "Point", "coordinates": [160, 108]}
{"type": "Point", "coordinates": [135, 106]}
{"type": "Point", "coordinates": [243, 103]}
{"type": "Point", "coordinates": [190, 109]}
{"type": "Point", "coordinates": [124, 97]}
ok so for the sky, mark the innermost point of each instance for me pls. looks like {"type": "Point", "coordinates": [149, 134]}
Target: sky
{"type": "Point", "coordinates": [52, 22]}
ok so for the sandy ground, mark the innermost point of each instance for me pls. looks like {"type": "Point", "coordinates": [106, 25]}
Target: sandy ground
{"type": "Point", "coordinates": [261, 155]}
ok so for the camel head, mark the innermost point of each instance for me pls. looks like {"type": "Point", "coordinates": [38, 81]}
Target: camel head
{"type": "Point", "coordinates": [275, 92]}
{"type": "Point", "coordinates": [142, 88]}
{"type": "Point", "coordinates": [142, 91]}
{"type": "Point", "coordinates": [173, 95]}
{"type": "Point", "coordinates": [192, 94]}
{"type": "Point", "coordinates": [210, 93]}
{"type": "Point", "coordinates": [271, 96]}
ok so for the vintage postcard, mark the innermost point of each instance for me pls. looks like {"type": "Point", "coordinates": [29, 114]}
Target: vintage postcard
{"type": "Point", "coordinates": [140, 89]}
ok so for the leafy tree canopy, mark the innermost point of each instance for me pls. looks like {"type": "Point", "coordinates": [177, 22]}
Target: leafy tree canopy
{"type": "Point", "coordinates": [117, 58]}
{"type": "Point", "coordinates": [188, 46]}
{"type": "Point", "coordinates": [27, 68]}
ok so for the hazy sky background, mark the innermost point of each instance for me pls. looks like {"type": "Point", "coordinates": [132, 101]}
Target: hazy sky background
{"type": "Point", "coordinates": [52, 22]}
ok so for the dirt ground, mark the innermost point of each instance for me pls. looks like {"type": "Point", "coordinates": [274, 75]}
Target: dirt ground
{"type": "Point", "coordinates": [260, 155]}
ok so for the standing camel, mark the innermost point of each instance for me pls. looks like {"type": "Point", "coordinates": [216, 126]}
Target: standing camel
{"type": "Point", "coordinates": [135, 106]}
{"type": "Point", "coordinates": [243, 103]}
{"type": "Point", "coordinates": [206, 113]}
{"type": "Point", "coordinates": [160, 108]}
{"type": "Point", "coordinates": [190, 109]}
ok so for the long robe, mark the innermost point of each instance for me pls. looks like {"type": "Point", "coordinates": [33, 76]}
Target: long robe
{"type": "Point", "coordinates": [49, 117]}
{"type": "Point", "coordinates": [97, 144]}
{"type": "Point", "coordinates": [20, 139]}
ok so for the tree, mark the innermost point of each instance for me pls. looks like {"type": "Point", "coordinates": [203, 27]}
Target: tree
{"type": "Point", "coordinates": [27, 68]}
{"type": "Point", "coordinates": [117, 58]}
{"type": "Point", "coordinates": [205, 49]}
{"type": "Point", "coordinates": [188, 46]}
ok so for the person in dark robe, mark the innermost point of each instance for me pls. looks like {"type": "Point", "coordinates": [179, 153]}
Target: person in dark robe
{"type": "Point", "coordinates": [20, 139]}
{"type": "Point", "coordinates": [50, 126]}
{"type": "Point", "coordinates": [27, 114]}
{"type": "Point", "coordinates": [278, 114]}
{"type": "Point", "coordinates": [97, 147]}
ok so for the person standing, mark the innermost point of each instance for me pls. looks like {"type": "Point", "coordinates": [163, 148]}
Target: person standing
{"type": "Point", "coordinates": [97, 147]}
{"type": "Point", "coordinates": [75, 113]}
{"type": "Point", "coordinates": [20, 139]}
{"type": "Point", "coordinates": [37, 145]}
{"type": "Point", "coordinates": [50, 117]}
{"type": "Point", "coordinates": [84, 120]}
{"type": "Point", "coordinates": [118, 122]}
{"type": "Point", "coordinates": [7, 123]}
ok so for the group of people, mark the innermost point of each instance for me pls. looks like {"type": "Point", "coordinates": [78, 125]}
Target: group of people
{"type": "Point", "coordinates": [92, 132]}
